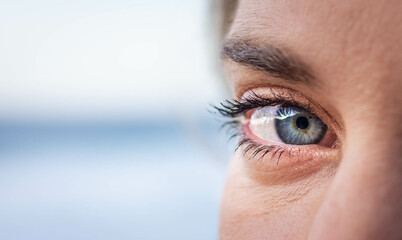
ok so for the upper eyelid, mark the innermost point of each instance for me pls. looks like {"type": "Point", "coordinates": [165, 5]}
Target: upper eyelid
{"type": "Point", "coordinates": [307, 103]}
{"type": "Point", "coordinates": [334, 116]}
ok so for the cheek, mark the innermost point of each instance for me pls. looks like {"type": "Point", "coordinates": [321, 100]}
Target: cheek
{"type": "Point", "coordinates": [251, 210]}
{"type": "Point", "coordinates": [243, 210]}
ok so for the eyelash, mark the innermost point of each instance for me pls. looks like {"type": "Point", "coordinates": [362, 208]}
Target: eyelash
{"type": "Point", "coordinates": [234, 109]}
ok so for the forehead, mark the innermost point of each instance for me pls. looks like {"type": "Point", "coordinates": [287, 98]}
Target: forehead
{"type": "Point", "coordinates": [345, 42]}
{"type": "Point", "coordinates": [343, 21]}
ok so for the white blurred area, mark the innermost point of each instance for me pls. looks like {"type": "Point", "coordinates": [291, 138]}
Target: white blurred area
{"type": "Point", "coordinates": [104, 59]}
{"type": "Point", "coordinates": [104, 129]}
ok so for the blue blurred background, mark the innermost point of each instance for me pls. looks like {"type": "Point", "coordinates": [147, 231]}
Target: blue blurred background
{"type": "Point", "coordinates": [104, 129]}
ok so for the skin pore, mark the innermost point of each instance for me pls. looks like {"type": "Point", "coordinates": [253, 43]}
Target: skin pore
{"type": "Point", "coordinates": [342, 59]}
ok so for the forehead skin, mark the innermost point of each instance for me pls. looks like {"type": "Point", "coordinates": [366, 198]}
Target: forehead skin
{"type": "Point", "coordinates": [354, 48]}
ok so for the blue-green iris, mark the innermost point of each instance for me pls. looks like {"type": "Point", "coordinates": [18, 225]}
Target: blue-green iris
{"type": "Point", "coordinates": [299, 127]}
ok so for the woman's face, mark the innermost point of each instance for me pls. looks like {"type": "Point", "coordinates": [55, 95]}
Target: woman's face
{"type": "Point", "coordinates": [319, 85]}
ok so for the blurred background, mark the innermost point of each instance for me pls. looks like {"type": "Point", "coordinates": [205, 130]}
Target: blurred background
{"type": "Point", "coordinates": [104, 128]}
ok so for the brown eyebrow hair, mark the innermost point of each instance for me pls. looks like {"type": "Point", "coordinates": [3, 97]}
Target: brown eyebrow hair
{"type": "Point", "coordinates": [267, 58]}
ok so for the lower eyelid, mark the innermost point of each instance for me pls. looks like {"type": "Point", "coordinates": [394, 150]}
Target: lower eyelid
{"type": "Point", "coordinates": [284, 163]}
{"type": "Point", "coordinates": [294, 164]}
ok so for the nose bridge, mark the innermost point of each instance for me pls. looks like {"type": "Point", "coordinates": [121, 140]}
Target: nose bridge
{"type": "Point", "coordinates": [364, 199]}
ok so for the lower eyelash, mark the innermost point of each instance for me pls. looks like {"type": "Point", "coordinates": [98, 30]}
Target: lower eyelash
{"type": "Point", "coordinates": [234, 128]}
{"type": "Point", "coordinates": [260, 150]}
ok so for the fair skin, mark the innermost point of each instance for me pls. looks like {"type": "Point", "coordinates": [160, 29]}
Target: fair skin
{"type": "Point", "coordinates": [348, 58]}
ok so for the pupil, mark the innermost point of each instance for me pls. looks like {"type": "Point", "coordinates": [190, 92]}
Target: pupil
{"type": "Point", "coordinates": [302, 122]}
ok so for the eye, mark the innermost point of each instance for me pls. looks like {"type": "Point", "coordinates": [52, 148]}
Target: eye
{"type": "Point", "coordinates": [280, 126]}
{"type": "Point", "coordinates": [289, 125]}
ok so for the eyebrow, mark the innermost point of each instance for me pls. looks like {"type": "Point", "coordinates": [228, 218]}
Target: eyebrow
{"type": "Point", "coordinates": [267, 58]}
